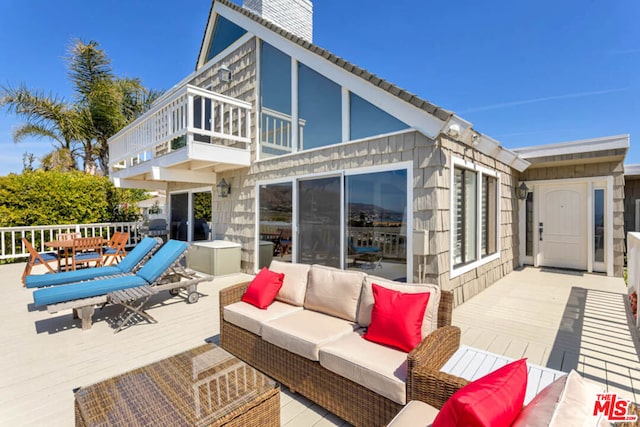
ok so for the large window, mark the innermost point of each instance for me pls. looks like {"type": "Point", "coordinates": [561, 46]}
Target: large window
{"type": "Point", "coordinates": [489, 215]}
{"type": "Point", "coordinates": [355, 221]}
{"type": "Point", "coordinates": [376, 221]}
{"type": "Point", "coordinates": [465, 216]}
{"type": "Point", "coordinates": [276, 224]}
{"type": "Point", "coordinates": [474, 214]}
{"type": "Point", "coordinates": [319, 221]}
{"type": "Point", "coordinates": [225, 33]}
{"type": "Point", "coordinates": [369, 120]}
{"type": "Point", "coordinates": [320, 109]}
{"type": "Point", "coordinates": [275, 118]}
{"type": "Point", "coordinates": [321, 106]}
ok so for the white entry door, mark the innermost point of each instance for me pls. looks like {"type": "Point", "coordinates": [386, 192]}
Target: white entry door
{"type": "Point", "coordinates": [562, 227]}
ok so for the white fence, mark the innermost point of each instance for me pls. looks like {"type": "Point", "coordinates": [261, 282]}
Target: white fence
{"type": "Point", "coordinates": [12, 247]}
{"type": "Point", "coordinates": [633, 265]}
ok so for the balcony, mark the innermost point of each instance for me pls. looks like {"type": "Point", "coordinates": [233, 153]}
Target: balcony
{"type": "Point", "coordinates": [186, 137]}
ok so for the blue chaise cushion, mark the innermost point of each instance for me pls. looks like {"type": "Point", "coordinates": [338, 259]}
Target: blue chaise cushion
{"type": "Point", "coordinates": [46, 256]}
{"type": "Point", "coordinates": [366, 249]}
{"type": "Point", "coordinates": [162, 260]}
{"type": "Point", "coordinates": [73, 291]}
{"type": "Point", "coordinates": [127, 265]}
{"type": "Point", "coordinates": [136, 255]}
{"type": "Point", "coordinates": [43, 280]}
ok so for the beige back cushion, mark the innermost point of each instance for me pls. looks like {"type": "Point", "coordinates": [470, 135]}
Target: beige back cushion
{"type": "Point", "coordinates": [430, 320]}
{"type": "Point", "coordinates": [294, 285]}
{"type": "Point", "coordinates": [334, 292]}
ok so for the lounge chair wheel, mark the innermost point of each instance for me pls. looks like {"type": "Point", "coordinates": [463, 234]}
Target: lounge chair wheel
{"type": "Point", "coordinates": [193, 297]}
{"type": "Point", "coordinates": [175, 292]}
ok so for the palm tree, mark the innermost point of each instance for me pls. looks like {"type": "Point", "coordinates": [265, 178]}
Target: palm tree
{"type": "Point", "coordinates": [110, 102]}
{"type": "Point", "coordinates": [45, 116]}
{"type": "Point", "coordinates": [103, 105]}
{"type": "Point", "coordinates": [60, 160]}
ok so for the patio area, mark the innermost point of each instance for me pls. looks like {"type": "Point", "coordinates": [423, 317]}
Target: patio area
{"type": "Point", "coordinates": [558, 319]}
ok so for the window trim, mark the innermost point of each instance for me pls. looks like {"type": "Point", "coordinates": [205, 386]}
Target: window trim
{"type": "Point", "coordinates": [457, 270]}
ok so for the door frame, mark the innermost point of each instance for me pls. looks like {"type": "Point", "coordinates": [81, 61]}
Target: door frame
{"type": "Point", "coordinates": [190, 220]}
{"type": "Point", "coordinates": [593, 183]}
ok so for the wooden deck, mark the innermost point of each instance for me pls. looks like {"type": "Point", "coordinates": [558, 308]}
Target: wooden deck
{"type": "Point", "coordinates": [556, 320]}
{"type": "Point", "coordinates": [559, 319]}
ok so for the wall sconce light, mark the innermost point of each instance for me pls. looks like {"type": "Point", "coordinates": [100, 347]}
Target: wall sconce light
{"type": "Point", "coordinates": [224, 189]}
{"type": "Point", "coordinates": [522, 191]}
{"type": "Point", "coordinates": [224, 73]}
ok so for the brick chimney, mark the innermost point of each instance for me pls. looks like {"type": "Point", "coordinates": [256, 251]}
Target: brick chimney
{"type": "Point", "coordinates": [295, 16]}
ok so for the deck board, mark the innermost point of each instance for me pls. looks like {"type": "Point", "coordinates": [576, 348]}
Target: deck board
{"type": "Point", "coordinates": [526, 314]}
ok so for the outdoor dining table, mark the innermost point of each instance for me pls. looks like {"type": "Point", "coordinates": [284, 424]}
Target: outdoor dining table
{"type": "Point", "coordinates": [64, 247]}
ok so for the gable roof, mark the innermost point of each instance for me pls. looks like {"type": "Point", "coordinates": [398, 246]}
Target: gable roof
{"type": "Point", "coordinates": [444, 118]}
{"type": "Point", "coordinates": [406, 96]}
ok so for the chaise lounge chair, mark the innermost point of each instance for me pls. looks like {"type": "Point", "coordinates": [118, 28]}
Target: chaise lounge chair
{"type": "Point", "coordinates": [129, 263]}
{"type": "Point", "coordinates": [372, 255]}
{"type": "Point", "coordinates": [162, 272]}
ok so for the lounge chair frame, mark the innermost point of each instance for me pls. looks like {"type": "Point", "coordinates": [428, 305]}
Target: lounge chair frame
{"type": "Point", "coordinates": [174, 279]}
{"type": "Point", "coordinates": [135, 268]}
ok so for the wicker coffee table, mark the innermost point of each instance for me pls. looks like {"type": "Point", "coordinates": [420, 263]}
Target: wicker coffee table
{"type": "Point", "coordinates": [203, 386]}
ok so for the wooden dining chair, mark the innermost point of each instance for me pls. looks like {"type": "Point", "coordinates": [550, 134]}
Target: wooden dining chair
{"type": "Point", "coordinates": [69, 236]}
{"type": "Point", "coordinates": [35, 258]}
{"type": "Point", "coordinates": [86, 250]}
{"type": "Point", "coordinates": [115, 248]}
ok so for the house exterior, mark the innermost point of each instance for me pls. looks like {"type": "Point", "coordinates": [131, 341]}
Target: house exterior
{"type": "Point", "coordinates": [273, 138]}
{"type": "Point", "coordinates": [631, 198]}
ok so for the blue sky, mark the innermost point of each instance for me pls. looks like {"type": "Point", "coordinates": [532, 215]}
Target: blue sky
{"type": "Point", "coordinates": [525, 73]}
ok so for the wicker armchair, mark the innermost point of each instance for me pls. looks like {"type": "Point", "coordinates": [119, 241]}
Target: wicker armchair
{"type": "Point", "coordinates": [352, 402]}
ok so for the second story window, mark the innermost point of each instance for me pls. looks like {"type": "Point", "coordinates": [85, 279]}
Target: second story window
{"type": "Point", "coordinates": [224, 34]}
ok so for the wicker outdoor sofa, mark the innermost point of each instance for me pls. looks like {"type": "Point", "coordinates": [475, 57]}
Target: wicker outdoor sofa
{"type": "Point", "coordinates": [347, 399]}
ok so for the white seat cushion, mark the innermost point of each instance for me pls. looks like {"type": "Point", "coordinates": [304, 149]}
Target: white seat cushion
{"type": "Point", "coordinates": [430, 320]}
{"type": "Point", "coordinates": [294, 285]}
{"type": "Point", "coordinates": [303, 332]}
{"type": "Point", "coordinates": [334, 291]}
{"type": "Point", "coordinates": [379, 368]}
{"type": "Point", "coordinates": [251, 318]}
{"type": "Point", "coordinates": [415, 414]}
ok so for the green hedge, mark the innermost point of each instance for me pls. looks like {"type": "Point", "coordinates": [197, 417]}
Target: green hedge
{"type": "Point", "coordinates": [51, 198]}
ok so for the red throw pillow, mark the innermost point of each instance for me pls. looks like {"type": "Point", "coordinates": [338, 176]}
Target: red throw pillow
{"type": "Point", "coordinates": [494, 400]}
{"type": "Point", "coordinates": [396, 318]}
{"type": "Point", "coordinates": [263, 288]}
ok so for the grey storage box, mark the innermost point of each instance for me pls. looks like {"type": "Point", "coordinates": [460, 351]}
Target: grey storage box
{"type": "Point", "coordinates": [216, 258]}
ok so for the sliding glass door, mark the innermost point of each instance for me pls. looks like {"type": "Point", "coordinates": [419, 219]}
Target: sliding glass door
{"type": "Point", "coordinates": [355, 221]}
{"type": "Point", "coordinates": [201, 211]}
{"type": "Point", "coordinates": [376, 223]}
{"type": "Point", "coordinates": [319, 221]}
{"type": "Point", "coordinates": [191, 216]}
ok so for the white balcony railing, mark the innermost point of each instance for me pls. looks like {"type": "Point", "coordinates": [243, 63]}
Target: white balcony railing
{"type": "Point", "coordinates": [277, 131]}
{"type": "Point", "coordinates": [11, 246]}
{"type": "Point", "coordinates": [633, 267]}
{"type": "Point", "coordinates": [190, 114]}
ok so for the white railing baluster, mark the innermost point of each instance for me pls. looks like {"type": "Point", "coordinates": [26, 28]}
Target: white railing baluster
{"type": "Point", "coordinates": [173, 118]}
{"type": "Point", "coordinates": [11, 246]}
